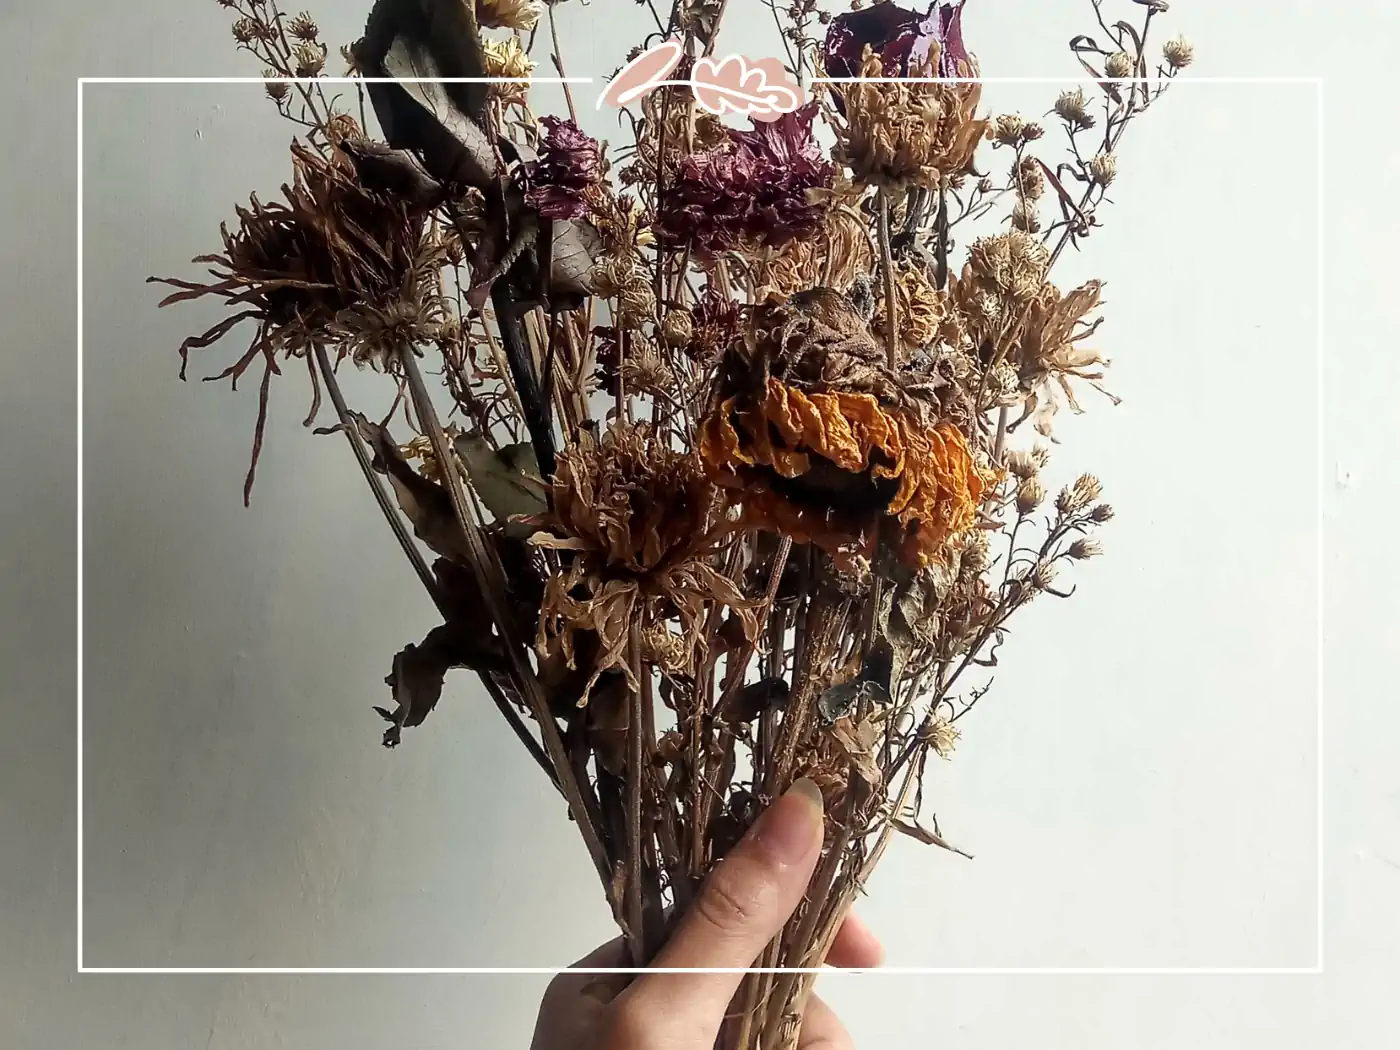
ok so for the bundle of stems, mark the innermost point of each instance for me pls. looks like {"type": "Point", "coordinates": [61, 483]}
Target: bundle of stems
{"type": "Point", "coordinates": [706, 448]}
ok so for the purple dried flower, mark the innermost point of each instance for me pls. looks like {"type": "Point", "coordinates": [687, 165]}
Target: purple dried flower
{"type": "Point", "coordinates": [901, 39]}
{"type": "Point", "coordinates": [570, 163]}
{"type": "Point", "coordinates": [755, 188]}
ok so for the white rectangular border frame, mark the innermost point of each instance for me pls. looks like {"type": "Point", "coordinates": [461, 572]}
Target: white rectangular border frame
{"type": "Point", "coordinates": [961, 971]}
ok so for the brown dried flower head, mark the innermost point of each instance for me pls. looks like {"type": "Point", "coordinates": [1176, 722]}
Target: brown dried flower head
{"type": "Point", "coordinates": [820, 441]}
{"type": "Point", "coordinates": [303, 27]}
{"type": "Point", "coordinates": [919, 306]}
{"type": "Point", "coordinates": [292, 267]}
{"type": "Point", "coordinates": [1103, 169]}
{"type": "Point", "coordinates": [634, 522]}
{"type": "Point", "coordinates": [1048, 354]}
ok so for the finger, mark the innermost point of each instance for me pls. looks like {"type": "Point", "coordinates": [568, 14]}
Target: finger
{"type": "Point", "coordinates": [855, 947]}
{"type": "Point", "coordinates": [741, 907]}
{"type": "Point", "coordinates": [599, 987]}
{"type": "Point", "coordinates": [822, 1029]}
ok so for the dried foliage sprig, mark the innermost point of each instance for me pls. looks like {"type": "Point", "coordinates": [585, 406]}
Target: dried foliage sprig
{"type": "Point", "coordinates": [721, 478]}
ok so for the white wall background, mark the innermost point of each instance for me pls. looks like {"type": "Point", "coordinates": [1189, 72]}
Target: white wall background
{"type": "Point", "coordinates": [1138, 789]}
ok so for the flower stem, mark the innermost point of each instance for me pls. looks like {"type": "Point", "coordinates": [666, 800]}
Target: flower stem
{"type": "Point", "coordinates": [887, 271]}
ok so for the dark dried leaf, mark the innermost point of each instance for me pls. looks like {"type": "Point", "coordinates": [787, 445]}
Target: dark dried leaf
{"type": "Point", "coordinates": [444, 123]}
{"type": "Point", "coordinates": [768, 694]}
{"type": "Point", "coordinates": [419, 670]}
{"type": "Point", "coordinates": [915, 830]}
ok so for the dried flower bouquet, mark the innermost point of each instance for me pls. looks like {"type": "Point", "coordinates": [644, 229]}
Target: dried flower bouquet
{"type": "Point", "coordinates": [712, 440]}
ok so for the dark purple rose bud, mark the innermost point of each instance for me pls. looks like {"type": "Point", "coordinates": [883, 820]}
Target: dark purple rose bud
{"type": "Point", "coordinates": [570, 163]}
{"type": "Point", "coordinates": [903, 41]}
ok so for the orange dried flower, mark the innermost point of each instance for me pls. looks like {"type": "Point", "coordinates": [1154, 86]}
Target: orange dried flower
{"type": "Point", "coordinates": [838, 443]}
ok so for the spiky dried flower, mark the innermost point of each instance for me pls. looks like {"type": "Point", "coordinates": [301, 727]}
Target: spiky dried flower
{"type": "Point", "coordinates": [634, 523]}
{"type": "Point", "coordinates": [755, 191]}
{"type": "Point", "coordinates": [820, 441]}
{"type": "Point", "coordinates": [1074, 498]}
{"type": "Point", "coordinates": [1029, 179]}
{"type": "Point", "coordinates": [1101, 513]}
{"type": "Point", "coordinates": [1119, 65]}
{"type": "Point", "coordinates": [310, 59]}
{"type": "Point", "coordinates": [677, 328]}
{"type": "Point", "coordinates": [1021, 463]}
{"type": "Point", "coordinates": [1030, 494]}
{"type": "Point", "coordinates": [1008, 129]}
{"type": "Point", "coordinates": [245, 31]}
{"type": "Point", "coordinates": [303, 27]}
{"type": "Point", "coordinates": [1084, 549]}
{"type": "Point", "coordinates": [276, 91]}
{"type": "Point", "coordinates": [1025, 216]}
{"type": "Point", "coordinates": [1178, 53]}
{"type": "Point", "coordinates": [507, 63]}
{"type": "Point", "coordinates": [1073, 108]}
{"type": "Point", "coordinates": [569, 170]}
{"type": "Point", "coordinates": [293, 267]}
{"type": "Point", "coordinates": [508, 14]}
{"type": "Point", "coordinates": [1003, 274]}
{"type": "Point", "coordinates": [1049, 355]}
{"type": "Point", "coordinates": [1032, 132]}
{"type": "Point", "coordinates": [1103, 169]}
{"type": "Point", "coordinates": [942, 736]}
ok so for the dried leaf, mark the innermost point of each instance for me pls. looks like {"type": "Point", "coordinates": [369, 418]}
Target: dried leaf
{"type": "Point", "coordinates": [768, 694]}
{"type": "Point", "coordinates": [915, 830]}
{"type": "Point", "coordinates": [412, 42]}
{"type": "Point", "coordinates": [427, 505]}
{"type": "Point", "coordinates": [859, 741]}
{"type": "Point", "coordinates": [417, 676]}
{"type": "Point", "coordinates": [841, 700]}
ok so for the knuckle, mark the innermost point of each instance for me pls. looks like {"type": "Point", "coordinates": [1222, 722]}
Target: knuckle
{"type": "Point", "coordinates": [729, 901]}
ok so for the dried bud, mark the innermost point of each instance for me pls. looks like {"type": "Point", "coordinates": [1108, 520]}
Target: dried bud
{"type": "Point", "coordinates": [1021, 463]}
{"type": "Point", "coordinates": [275, 91]}
{"type": "Point", "coordinates": [1119, 65]}
{"type": "Point", "coordinates": [1103, 169]}
{"type": "Point", "coordinates": [1178, 52]}
{"type": "Point", "coordinates": [1033, 131]}
{"type": "Point", "coordinates": [508, 14]}
{"type": "Point", "coordinates": [941, 735]}
{"type": "Point", "coordinates": [352, 64]}
{"type": "Point", "coordinates": [1041, 454]}
{"type": "Point", "coordinates": [1030, 179]}
{"type": "Point", "coordinates": [1008, 129]}
{"type": "Point", "coordinates": [1083, 550]}
{"type": "Point", "coordinates": [1029, 496]}
{"type": "Point", "coordinates": [976, 554]}
{"type": "Point", "coordinates": [303, 27]}
{"type": "Point", "coordinates": [677, 328]}
{"type": "Point", "coordinates": [1024, 217]}
{"type": "Point", "coordinates": [1073, 109]}
{"type": "Point", "coordinates": [1102, 513]}
{"type": "Point", "coordinates": [452, 250]}
{"type": "Point", "coordinates": [245, 31]}
{"type": "Point", "coordinates": [985, 184]}
{"type": "Point", "coordinates": [1043, 576]}
{"type": "Point", "coordinates": [310, 60]}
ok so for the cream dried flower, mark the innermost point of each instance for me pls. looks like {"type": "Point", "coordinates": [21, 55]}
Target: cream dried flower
{"type": "Point", "coordinates": [1119, 65]}
{"type": "Point", "coordinates": [1030, 494]}
{"type": "Point", "coordinates": [1103, 169]}
{"type": "Point", "coordinates": [1073, 108]}
{"type": "Point", "coordinates": [507, 61]}
{"type": "Point", "coordinates": [508, 14]}
{"type": "Point", "coordinates": [1008, 129]}
{"type": "Point", "coordinates": [1178, 52]}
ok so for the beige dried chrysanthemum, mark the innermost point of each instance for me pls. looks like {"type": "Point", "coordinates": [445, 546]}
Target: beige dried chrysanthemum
{"type": "Point", "coordinates": [507, 60]}
{"type": "Point", "coordinates": [942, 736]}
{"type": "Point", "coordinates": [906, 133]}
{"type": "Point", "coordinates": [1008, 129]}
{"type": "Point", "coordinates": [507, 14]}
{"type": "Point", "coordinates": [1002, 276]}
{"type": "Point", "coordinates": [1178, 53]}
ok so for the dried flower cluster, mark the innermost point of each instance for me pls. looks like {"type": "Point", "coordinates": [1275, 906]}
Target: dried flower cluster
{"type": "Point", "coordinates": [731, 489]}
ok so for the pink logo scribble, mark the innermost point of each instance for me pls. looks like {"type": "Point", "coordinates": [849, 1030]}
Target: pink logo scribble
{"type": "Point", "coordinates": [760, 89]}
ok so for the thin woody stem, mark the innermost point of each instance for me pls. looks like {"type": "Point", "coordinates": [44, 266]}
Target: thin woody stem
{"type": "Point", "coordinates": [887, 272]}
